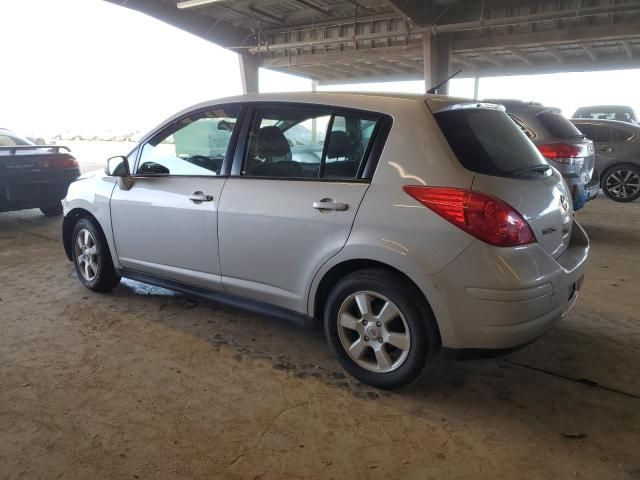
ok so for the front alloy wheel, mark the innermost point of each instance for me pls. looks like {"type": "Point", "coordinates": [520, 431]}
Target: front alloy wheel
{"type": "Point", "coordinates": [91, 257]}
{"type": "Point", "coordinates": [86, 254]}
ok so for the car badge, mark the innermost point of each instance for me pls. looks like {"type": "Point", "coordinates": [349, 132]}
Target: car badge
{"type": "Point", "coordinates": [564, 203]}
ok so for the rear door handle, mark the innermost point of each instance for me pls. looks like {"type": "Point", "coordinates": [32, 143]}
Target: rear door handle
{"type": "Point", "coordinates": [606, 149]}
{"type": "Point", "coordinates": [329, 204]}
{"type": "Point", "coordinates": [199, 197]}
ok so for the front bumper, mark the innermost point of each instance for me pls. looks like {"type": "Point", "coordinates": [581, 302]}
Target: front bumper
{"type": "Point", "coordinates": [501, 298]}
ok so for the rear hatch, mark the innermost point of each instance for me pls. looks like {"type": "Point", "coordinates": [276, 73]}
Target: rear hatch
{"type": "Point", "coordinates": [25, 159]}
{"type": "Point", "coordinates": [508, 166]}
{"type": "Point", "coordinates": [568, 147]}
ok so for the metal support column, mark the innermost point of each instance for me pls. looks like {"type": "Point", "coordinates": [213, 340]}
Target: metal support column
{"type": "Point", "coordinates": [249, 73]}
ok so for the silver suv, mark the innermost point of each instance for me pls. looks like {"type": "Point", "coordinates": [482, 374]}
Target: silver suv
{"type": "Point", "coordinates": [407, 225]}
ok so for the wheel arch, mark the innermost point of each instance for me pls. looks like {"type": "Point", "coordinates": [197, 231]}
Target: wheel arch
{"type": "Point", "coordinates": [69, 222]}
{"type": "Point", "coordinates": [318, 297]}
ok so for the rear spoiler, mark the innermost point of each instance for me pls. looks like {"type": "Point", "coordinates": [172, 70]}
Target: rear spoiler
{"type": "Point", "coordinates": [16, 148]}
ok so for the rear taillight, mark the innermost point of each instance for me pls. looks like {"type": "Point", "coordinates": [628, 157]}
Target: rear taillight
{"type": "Point", "coordinates": [66, 162]}
{"type": "Point", "coordinates": [560, 152]}
{"type": "Point", "coordinates": [483, 216]}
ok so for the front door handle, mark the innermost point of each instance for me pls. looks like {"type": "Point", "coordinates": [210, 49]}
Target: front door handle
{"type": "Point", "coordinates": [199, 197]}
{"type": "Point", "coordinates": [330, 204]}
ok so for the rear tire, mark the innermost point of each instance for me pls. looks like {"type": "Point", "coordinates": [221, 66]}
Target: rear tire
{"type": "Point", "coordinates": [91, 257]}
{"type": "Point", "coordinates": [621, 183]}
{"type": "Point", "coordinates": [380, 329]}
{"type": "Point", "coordinates": [52, 211]}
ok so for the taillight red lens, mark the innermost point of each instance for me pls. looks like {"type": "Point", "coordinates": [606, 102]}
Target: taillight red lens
{"type": "Point", "coordinates": [483, 216]}
{"type": "Point", "coordinates": [64, 162]}
{"type": "Point", "coordinates": [559, 150]}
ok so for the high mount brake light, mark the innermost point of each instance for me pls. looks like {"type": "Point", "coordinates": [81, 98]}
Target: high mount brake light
{"type": "Point", "coordinates": [483, 216]}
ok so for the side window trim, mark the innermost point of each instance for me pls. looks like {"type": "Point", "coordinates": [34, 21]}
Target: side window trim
{"type": "Point", "coordinates": [325, 147]}
{"type": "Point", "coordinates": [370, 158]}
{"type": "Point", "coordinates": [229, 155]}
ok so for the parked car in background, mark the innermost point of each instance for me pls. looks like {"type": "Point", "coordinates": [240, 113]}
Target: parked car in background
{"type": "Point", "coordinates": [34, 176]}
{"type": "Point", "coordinates": [620, 113]}
{"type": "Point", "coordinates": [617, 146]}
{"type": "Point", "coordinates": [423, 223]}
{"type": "Point", "coordinates": [561, 143]}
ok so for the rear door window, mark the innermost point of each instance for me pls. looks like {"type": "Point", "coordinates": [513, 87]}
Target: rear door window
{"type": "Point", "coordinates": [558, 125]}
{"type": "Point", "coordinates": [487, 141]}
{"type": "Point", "coordinates": [308, 142]}
{"type": "Point", "coordinates": [619, 135]}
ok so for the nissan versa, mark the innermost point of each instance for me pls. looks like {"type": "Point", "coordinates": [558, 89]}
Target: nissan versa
{"type": "Point", "coordinates": [408, 225]}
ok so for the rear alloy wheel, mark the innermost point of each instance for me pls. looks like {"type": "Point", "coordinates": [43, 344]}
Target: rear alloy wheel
{"type": "Point", "coordinates": [622, 183]}
{"type": "Point", "coordinates": [52, 211]}
{"type": "Point", "coordinates": [91, 257]}
{"type": "Point", "coordinates": [379, 328]}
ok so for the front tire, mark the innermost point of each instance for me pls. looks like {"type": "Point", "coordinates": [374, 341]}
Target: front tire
{"type": "Point", "coordinates": [91, 257]}
{"type": "Point", "coordinates": [52, 211]}
{"type": "Point", "coordinates": [379, 328]}
{"type": "Point", "coordinates": [621, 183]}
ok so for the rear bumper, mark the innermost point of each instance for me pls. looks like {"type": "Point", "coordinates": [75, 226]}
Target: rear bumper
{"type": "Point", "coordinates": [501, 298]}
{"type": "Point", "coordinates": [34, 189]}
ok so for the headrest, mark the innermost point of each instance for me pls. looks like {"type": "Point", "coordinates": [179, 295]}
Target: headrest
{"type": "Point", "coordinates": [340, 145]}
{"type": "Point", "coordinates": [272, 143]}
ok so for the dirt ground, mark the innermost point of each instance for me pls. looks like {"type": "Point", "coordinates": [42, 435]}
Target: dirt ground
{"type": "Point", "coordinates": [145, 384]}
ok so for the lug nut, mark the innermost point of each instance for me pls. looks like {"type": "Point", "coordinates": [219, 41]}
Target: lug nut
{"type": "Point", "coordinates": [380, 339]}
{"type": "Point", "coordinates": [364, 322]}
{"type": "Point", "coordinates": [366, 339]}
{"type": "Point", "coordinates": [379, 324]}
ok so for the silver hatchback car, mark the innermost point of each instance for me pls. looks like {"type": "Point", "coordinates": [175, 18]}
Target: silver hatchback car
{"type": "Point", "coordinates": [409, 225]}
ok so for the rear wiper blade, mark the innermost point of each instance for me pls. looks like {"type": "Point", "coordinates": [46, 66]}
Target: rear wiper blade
{"type": "Point", "coordinates": [532, 168]}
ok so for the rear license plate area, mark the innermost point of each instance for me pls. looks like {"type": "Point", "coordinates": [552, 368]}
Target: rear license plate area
{"type": "Point", "coordinates": [24, 192]}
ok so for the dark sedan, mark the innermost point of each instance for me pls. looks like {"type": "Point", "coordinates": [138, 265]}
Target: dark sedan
{"type": "Point", "coordinates": [34, 176]}
{"type": "Point", "coordinates": [617, 146]}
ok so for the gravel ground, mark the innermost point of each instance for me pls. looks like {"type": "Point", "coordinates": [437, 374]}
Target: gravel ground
{"type": "Point", "coordinates": [143, 383]}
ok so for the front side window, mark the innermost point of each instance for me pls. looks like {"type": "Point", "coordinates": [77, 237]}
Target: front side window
{"type": "Point", "coordinates": [307, 142]}
{"type": "Point", "coordinates": [195, 145]}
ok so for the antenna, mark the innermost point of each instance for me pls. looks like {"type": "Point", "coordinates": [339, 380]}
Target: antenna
{"type": "Point", "coordinates": [435, 89]}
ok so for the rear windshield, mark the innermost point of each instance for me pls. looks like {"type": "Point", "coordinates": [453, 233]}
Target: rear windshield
{"type": "Point", "coordinates": [558, 125]}
{"type": "Point", "coordinates": [620, 114]}
{"type": "Point", "coordinates": [487, 141]}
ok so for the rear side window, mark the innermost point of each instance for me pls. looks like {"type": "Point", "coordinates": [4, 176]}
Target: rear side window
{"type": "Point", "coordinates": [558, 125]}
{"type": "Point", "coordinates": [619, 135]}
{"type": "Point", "coordinates": [596, 133]}
{"type": "Point", "coordinates": [487, 141]}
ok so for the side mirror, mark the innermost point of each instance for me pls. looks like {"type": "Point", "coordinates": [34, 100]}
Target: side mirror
{"type": "Point", "coordinates": [117, 167]}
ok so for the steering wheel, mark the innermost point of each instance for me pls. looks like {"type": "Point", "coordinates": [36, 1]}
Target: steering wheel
{"type": "Point", "coordinates": [213, 164]}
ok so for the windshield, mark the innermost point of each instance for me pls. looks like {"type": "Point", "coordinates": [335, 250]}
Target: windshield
{"type": "Point", "coordinates": [487, 141]}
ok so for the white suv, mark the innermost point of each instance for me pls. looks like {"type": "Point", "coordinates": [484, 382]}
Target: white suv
{"type": "Point", "coordinates": [408, 225]}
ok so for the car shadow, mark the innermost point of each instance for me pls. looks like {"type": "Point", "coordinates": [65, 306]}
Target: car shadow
{"type": "Point", "coordinates": [502, 386]}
